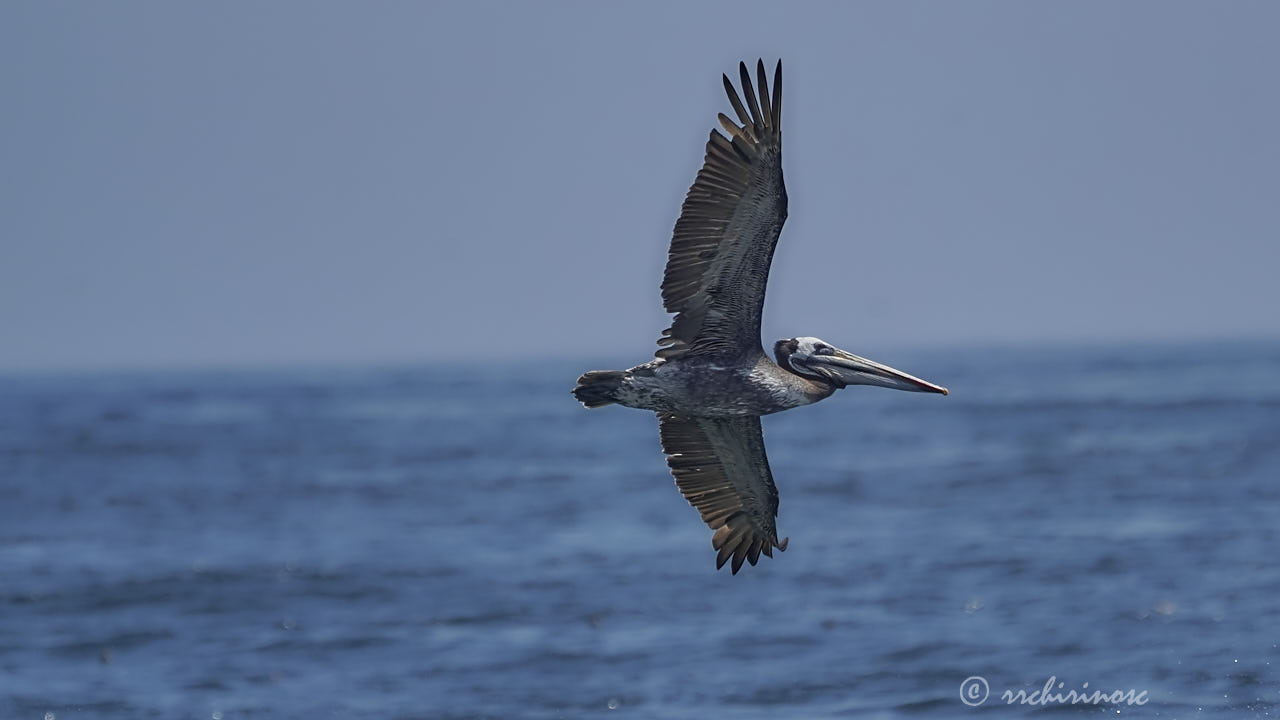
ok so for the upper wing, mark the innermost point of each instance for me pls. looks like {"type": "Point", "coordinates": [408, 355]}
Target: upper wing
{"type": "Point", "coordinates": [723, 243]}
{"type": "Point", "coordinates": [720, 467]}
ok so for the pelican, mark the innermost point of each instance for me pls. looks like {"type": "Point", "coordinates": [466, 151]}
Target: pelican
{"type": "Point", "coordinates": [711, 380]}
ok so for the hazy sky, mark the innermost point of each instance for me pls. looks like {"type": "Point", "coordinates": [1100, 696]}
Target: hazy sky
{"type": "Point", "coordinates": [213, 183]}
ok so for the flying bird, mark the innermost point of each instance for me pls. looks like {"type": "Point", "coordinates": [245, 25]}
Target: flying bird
{"type": "Point", "coordinates": [711, 380]}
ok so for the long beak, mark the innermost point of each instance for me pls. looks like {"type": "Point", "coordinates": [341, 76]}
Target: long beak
{"type": "Point", "coordinates": [844, 368]}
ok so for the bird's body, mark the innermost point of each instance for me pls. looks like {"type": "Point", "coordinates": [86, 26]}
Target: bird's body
{"type": "Point", "coordinates": [711, 380]}
{"type": "Point", "coordinates": [717, 387]}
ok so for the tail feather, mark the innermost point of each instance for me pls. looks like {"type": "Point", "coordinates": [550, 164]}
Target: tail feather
{"type": "Point", "coordinates": [596, 388]}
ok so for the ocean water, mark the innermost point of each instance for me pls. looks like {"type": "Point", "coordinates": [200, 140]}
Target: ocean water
{"type": "Point", "coordinates": [462, 542]}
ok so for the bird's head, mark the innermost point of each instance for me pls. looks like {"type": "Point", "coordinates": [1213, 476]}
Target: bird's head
{"type": "Point", "coordinates": [819, 360]}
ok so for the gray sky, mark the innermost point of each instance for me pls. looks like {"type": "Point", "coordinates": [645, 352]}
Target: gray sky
{"type": "Point", "coordinates": [199, 184]}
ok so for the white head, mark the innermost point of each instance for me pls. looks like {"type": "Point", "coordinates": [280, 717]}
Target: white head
{"type": "Point", "coordinates": [819, 360]}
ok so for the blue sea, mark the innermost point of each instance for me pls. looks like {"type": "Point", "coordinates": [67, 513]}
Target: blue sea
{"type": "Point", "coordinates": [456, 541]}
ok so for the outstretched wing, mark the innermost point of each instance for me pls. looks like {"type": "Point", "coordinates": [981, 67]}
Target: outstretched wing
{"type": "Point", "coordinates": [723, 243]}
{"type": "Point", "coordinates": [721, 468]}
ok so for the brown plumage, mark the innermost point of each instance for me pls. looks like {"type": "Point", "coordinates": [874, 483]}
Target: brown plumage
{"type": "Point", "coordinates": [718, 264]}
{"type": "Point", "coordinates": [711, 381]}
{"type": "Point", "coordinates": [720, 467]}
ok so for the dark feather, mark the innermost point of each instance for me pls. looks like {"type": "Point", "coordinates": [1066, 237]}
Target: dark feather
{"type": "Point", "coordinates": [777, 96]}
{"type": "Point", "coordinates": [720, 467]}
{"type": "Point", "coordinates": [753, 106]}
{"type": "Point", "coordinates": [722, 247]}
{"type": "Point", "coordinates": [764, 95]}
{"type": "Point", "coordinates": [735, 101]}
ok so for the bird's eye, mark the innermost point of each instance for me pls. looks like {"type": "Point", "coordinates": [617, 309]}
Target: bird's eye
{"type": "Point", "coordinates": [822, 350]}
